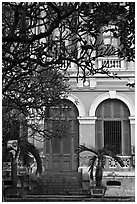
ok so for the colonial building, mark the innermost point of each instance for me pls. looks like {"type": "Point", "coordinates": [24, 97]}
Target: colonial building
{"type": "Point", "coordinates": [98, 112]}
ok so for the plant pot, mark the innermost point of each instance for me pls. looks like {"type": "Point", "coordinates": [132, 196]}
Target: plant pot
{"type": "Point", "coordinates": [98, 191]}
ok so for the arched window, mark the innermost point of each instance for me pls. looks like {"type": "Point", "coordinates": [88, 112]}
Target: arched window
{"type": "Point", "coordinates": [113, 126]}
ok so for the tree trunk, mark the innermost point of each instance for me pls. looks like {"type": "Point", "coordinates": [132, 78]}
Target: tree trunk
{"type": "Point", "coordinates": [98, 176]}
{"type": "Point", "coordinates": [14, 172]}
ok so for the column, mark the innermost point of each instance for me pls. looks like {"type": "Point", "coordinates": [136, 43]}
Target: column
{"type": "Point", "coordinates": [132, 128]}
{"type": "Point", "coordinates": [86, 137]}
{"type": "Point", "coordinates": [87, 130]}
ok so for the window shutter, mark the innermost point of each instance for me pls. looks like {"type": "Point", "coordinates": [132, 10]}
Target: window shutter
{"type": "Point", "coordinates": [107, 110]}
{"type": "Point", "coordinates": [99, 135]}
{"type": "Point", "coordinates": [56, 145]}
{"type": "Point", "coordinates": [126, 138]}
{"type": "Point", "coordinates": [117, 110]}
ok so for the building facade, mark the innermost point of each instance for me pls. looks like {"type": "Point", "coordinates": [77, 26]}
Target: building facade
{"type": "Point", "coordinates": [98, 112]}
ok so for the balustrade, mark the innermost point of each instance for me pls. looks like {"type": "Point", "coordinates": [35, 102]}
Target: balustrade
{"type": "Point", "coordinates": [111, 163]}
{"type": "Point", "coordinates": [114, 63]}
{"type": "Point", "coordinates": [111, 63]}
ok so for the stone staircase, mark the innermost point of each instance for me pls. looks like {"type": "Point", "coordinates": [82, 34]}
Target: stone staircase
{"type": "Point", "coordinates": [62, 186]}
{"type": "Point", "coordinates": [60, 183]}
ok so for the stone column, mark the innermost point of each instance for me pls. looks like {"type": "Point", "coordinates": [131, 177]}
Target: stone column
{"type": "Point", "coordinates": [87, 138]}
{"type": "Point", "coordinates": [87, 130]}
{"type": "Point", "coordinates": [132, 128]}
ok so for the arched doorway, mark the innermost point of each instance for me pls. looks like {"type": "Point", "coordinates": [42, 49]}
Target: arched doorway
{"type": "Point", "coordinates": [113, 126]}
{"type": "Point", "coordinates": [60, 149]}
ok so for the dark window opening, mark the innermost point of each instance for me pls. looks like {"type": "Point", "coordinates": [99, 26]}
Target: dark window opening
{"type": "Point", "coordinates": [113, 127]}
{"type": "Point", "coordinates": [7, 183]}
{"type": "Point", "coordinates": [113, 183]}
{"type": "Point", "coordinates": [11, 130]}
{"type": "Point", "coordinates": [112, 135]}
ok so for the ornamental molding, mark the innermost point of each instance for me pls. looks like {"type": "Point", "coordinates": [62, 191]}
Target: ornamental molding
{"type": "Point", "coordinates": [132, 120]}
{"type": "Point", "coordinates": [112, 95]}
{"type": "Point", "coordinates": [87, 120]}
{"type": "Point", "coordinates": [78, 103]}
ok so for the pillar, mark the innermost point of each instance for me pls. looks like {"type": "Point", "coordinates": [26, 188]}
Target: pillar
{"type": "Point", "coordinates": [132, 128]}
{"type": "Point", "coordinates": [86, 137]}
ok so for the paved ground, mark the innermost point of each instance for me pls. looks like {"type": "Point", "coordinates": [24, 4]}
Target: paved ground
{"type": "Point", "coordinates": [55, 198]}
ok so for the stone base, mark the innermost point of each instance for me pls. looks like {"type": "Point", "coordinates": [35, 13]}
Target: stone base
{"type": "Point", "coordinates": [98, 192]}
{"type": "Point", "coordinates": [118, 183]}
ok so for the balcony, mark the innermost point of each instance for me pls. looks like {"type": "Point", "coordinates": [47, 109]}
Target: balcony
{"type": "Point", "coordinates": [113, 63]}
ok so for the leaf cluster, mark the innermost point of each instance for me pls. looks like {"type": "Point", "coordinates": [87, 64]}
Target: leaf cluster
{"type": "Point", "coordinates": [98, 159]}
{"type": "Point", "coordinates": [41, 41]}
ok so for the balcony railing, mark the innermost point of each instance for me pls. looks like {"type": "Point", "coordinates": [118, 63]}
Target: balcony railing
{"type": "Point", "coordinates": [111, 163]}
{"type": "Point", "coordinates": [114, 64]}
{"type": "Point", "coordinates": [111, 63]}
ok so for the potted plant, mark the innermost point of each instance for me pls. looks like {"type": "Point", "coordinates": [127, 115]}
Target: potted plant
{"type": "Point", "coordinates": [98, 160]}
{"type": "Point", "coordinates": [23, 152]}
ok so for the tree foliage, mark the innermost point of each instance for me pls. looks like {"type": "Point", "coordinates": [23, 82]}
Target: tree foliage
{"type": "Point", "coordinates": [98, 160]}
{"type": "Point", "coordinates": [41, 41]}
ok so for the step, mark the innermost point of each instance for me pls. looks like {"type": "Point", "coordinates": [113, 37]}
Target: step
{"type": "Point", "coordinates": [59, 183]}
{"type": "Point", "coordinates": [11, 192]}
{"type": "Point", "coordinates": [61, 187]}
{"type": "Point", "coordinates": [71, 180]}
{"type": "Point", "coordinates": [61, 175]}
{"type": "Point", "coordinates": [58, 191]}
{"type": "Point", "coordinates": [82, 198]}
{"type": "Point", "coordinates": [59, 180]}
{"type": "Point", "coordinates": [61, 172]}
{"type": "Point", "coordinates": [50, 192]}
{"type": "Point", "coordinates": [64, 189]}
{"type": "Point", "coordinates": [50, 179]}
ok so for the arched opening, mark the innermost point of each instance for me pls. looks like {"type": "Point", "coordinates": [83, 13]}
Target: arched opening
{"type": "Point", "coordinates": [113, 126]}
{"type": "Point", "coordinates": [60, 149]}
